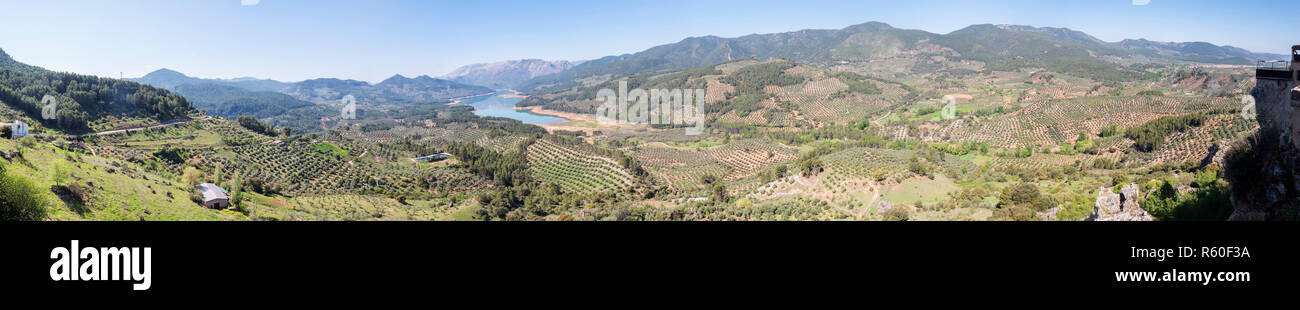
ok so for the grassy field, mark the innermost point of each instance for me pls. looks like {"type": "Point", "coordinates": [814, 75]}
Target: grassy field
{"type": "Point", "coordinates": [120, 190]}
{"type": "Point", "coordinates": [922, 190]}
{"type": "Point", "coordinates": [330, 148]}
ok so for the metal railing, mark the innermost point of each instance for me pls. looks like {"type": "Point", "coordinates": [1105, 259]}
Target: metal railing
{"type": "Point", "coordinates": [1280, 65]}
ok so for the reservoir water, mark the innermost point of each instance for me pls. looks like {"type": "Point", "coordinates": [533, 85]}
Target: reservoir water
{"type": "Point", "coordinates": [500, 104]}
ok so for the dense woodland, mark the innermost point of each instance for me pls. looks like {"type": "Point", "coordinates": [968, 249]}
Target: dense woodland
{"type": "Point", "coordinates": [1150, 135]}
{"type": "Point", "coordinates": [83, 99]}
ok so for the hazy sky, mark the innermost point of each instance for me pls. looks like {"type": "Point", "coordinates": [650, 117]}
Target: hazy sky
{"type": "Point", "coordinates": [371, 40]}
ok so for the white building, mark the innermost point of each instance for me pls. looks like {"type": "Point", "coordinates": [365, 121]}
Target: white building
{"type": "Point", "coordinates": [214, 196]}
{"type": "Point", "coordinates": [18, 129]}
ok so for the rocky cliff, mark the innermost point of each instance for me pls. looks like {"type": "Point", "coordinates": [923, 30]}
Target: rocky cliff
{"type": "Point", "coordinates": [1263, 169]}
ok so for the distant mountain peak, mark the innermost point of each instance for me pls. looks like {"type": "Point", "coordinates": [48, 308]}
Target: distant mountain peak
{"type": "Point", "coordinates": [396, 78]}
{"type": "Point", "coordinates": [869, 26]}
{"type": "Point", "coordinates": [165, 73]}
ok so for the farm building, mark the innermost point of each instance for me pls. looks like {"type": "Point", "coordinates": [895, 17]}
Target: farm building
{"type": "Point", "coordinates": [214, 196]}
{"type": "Point", "coordinates": [432, 158]}
{"type": "Point", "coordinates": [18, 129]}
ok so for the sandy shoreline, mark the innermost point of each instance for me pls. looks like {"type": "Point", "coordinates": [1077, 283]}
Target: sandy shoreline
{"type": "Point", "coordinates": [515, 94]}
{"type": "Point", "coordinates": [569, 118]}
{"type": "Point", "coordinates": [589, 123]}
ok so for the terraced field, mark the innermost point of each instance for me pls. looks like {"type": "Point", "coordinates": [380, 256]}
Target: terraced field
{"type": "Point", "coordinates": [1055, 121]}
{"type": "Point", "coordinates": [299, 169]}
{"type": "Point", "coordinates": [347, 208]}
{"type": "Point", "coordinates": [1196, 143]}
{"type": "Point", "coordinates": [575, 170]}
{"type": "Point", "coordinates": [745, 158]}
{"type": "Point", "coordinates": [868, 163]}
{"type": "Point", "coordinates": [814, 101]}
{"type": "Point", "coordinates": [736, 163]}
{"type": "Point", "coordinates": [679, 169]}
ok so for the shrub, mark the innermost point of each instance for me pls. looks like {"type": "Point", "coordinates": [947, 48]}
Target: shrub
{"type": "Point", "coordinates": [1024, 195]}
{"type": "Point", "coordinates": [20, 200]}
{"type": "Point", "coordinates": [898, 213]}
{"type": "Point", "coordinates": [27, 142]}
{"type": "Point", "coordinates": [1151, 92]}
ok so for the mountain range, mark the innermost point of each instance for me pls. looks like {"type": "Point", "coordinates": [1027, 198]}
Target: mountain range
{"type": "Point", "coordinates": [394, 90]}
{"type": "Point", "coordinates": [169, 79]}
{"type": "Point", "coordinates": [299, 105]}
{"type": "Point", "coordinates": [507, 74]}
{"type": "Point", "coordinates": [1001, 47]}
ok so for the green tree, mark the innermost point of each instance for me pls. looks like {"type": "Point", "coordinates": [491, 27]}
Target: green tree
{"type": "Point", "coordinates": [27, 142]}
{"type": "Point", "coordinates": [811, 167]}
{"type": "Point", "coordinates": [256, 125]}
{"type": "Point", "coordinates": [1162, 202]}
{"type": "Point", "coordinates": [236, 192]}
{"type": "Point", "coordinates": [719, 193]}
{"type": "Point", "coordinates": [191, 176]}
{"type": "Point", "coordinates": [59, 174]}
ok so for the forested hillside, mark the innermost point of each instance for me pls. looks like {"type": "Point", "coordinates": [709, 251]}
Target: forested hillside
{"type": "Point", "coordinates": [394, 90]}
{"type": "Point", "coordinates": [84, 100]}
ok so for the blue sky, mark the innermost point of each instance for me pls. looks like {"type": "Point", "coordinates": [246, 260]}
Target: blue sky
{"type": "Point", "coordinates": [293, 40]}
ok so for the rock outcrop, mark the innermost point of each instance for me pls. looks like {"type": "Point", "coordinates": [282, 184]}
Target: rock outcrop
{"type": "Point", "coordinates": [1119, 207]}
{"type": "Point", "coordinates": [883, 206]}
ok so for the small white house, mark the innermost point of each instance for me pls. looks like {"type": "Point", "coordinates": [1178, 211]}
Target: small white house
{"type": "Point", "coordinates": [214, 196]}
{"type": "Point", "coordinates": [18, 129]}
